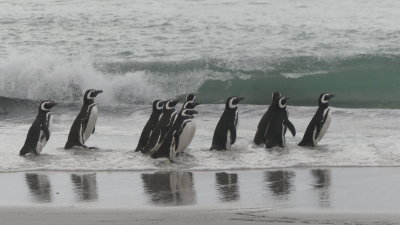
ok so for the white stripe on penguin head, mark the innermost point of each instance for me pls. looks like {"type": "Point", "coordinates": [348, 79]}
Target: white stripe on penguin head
{"type": "Point", "coordinates": [42, 106]}
{"type": "Point", "coordinates": [158, 105]}
{"type": "Point", "coordinates": [167, 106]}
{"type": "Point", "coordinates": [323, 99]}
{"type": "Point", "coordinates": [231, 105]}
{"type": "Point", "coordinates": [89, 95]}
{"type": "Point", "coordinates": [280, 103]}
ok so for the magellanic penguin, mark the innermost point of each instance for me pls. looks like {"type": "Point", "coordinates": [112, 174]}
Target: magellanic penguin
{"type": "Point", "coordinates": [169, 146]}
{"type": "Point", "coordinates": [85, 122]}
{"type": "Point", "coordinates": [151, 123]}
{"type": "Point", "coordinates": [161, 128]}
{"type": "Point", "coordinates": [188, 128]}
{"type": "Point", "coordinates": [40, 130]}
{"type": "Point", "coordinates": [319, 123]}
{"type": "Point", "coordinates": [225, 131]}
{"type": "Point", "coordinates": [259, 138]}
{"type": "Point", "coordinates": [279, 122]}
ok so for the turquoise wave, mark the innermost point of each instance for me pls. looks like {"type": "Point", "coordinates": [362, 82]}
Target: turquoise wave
{"type": "Point", "coordinates": [366, 82]}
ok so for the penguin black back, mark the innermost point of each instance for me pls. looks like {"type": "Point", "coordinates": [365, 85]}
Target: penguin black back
{"type": "Point", "coordinates": [40, 130]}
{"type": "Point", "coordinates": [319, 123]}
{"type": "Point", "coordinates": [151, 123]}
{"type": "Point", "coordinates": [259, 137]}
{"type": "Point", "coordinates": [160, 129]}
{"type": "Point", "coordinates": [84, 123]}
{"type": "Point", "coordinates": [225, 131]}
{"type": "Point", "coordinates": [279, 122]}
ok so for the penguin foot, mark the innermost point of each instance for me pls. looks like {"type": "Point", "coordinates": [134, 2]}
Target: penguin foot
{"type": "Point", "coordinates": [94, 148]}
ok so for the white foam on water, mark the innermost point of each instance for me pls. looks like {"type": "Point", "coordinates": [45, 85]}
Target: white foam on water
{"type": "Point", "coordinates": [357, 137]}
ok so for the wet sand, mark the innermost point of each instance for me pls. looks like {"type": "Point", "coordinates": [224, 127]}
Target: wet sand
{"type": "Point", "coordinates": [279, 196]}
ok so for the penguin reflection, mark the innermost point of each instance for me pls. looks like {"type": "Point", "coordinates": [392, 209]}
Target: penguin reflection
{"type": "Point", "coordinates": [175, 188]}
{"type": "Point", "coordinates": [322, 183]}
{"type": "Point", "coordinates": [39, 186]}
{"type": "Point", "coordinates": [85, 186]}
{"type": "Point", "coordinates": [280, 182]}
{"type": "Point", "coordinates": [227, 186]}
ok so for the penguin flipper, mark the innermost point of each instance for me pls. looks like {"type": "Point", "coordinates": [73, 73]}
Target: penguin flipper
{"type": "Point", "coordinates": [94, 129]}
{"type": "Point", "coordinates": [232, 130]}
{"type": "Point", "coordinates": [290, 126]}
{"type": "Point", "coordinates": [46, 131]}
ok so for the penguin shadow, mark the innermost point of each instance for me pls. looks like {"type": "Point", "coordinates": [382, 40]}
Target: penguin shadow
{"type": "Point", "coordinates": [39, 187]}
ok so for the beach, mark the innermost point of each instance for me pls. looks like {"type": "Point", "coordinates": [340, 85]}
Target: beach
{"type": "Point", "coordinates": [289, 196]}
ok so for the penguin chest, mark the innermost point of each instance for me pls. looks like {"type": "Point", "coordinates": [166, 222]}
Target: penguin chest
{"type": "Point", "coordinates": [91, 122]}
{"type": "Point", "coordinates": [42, 136]}
{"type": "Point", "coordinates": [187, 135]}
{"type": "Point", "coordinates": [326, 122]}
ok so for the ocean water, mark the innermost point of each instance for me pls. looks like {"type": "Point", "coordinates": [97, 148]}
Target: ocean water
{"type": "Point", "coordinates": [137, 51]}
{"type": "Point", "coordinates": [356, 138]}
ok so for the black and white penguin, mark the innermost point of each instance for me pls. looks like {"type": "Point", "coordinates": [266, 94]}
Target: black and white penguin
{"type": "Point", "coordinates": [40, 130]}
{"type": "Point", "coordinates": [225, 131]}
{"type": "Point", "coordinates": [319, 123]}
{"type": "Point", "coordinates": [188, 129]}
{"type": "Point", "coordinates": [169, 146]}
{"type": "Point", "coordinates": [85, 122]}
{"type": "Point", "coordinates": [279, 122]}
{"type": "Point", "coordinates": [159, 131]}
{"type": "Point", "coordinates": [151, 123]}
{"type": "Point", "coordinates": [259, 138]}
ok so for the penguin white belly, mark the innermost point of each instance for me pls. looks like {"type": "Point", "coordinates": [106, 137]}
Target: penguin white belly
{"type": "Point", "coordinates": [90, 124]}
{"type": "Point", "coordinates": [42, 137]}
{"type": "Point", "coordinates": [325, 126]}
{"type": "Point", "coordinates": [186, 136]}
{"type": "Point", "coordinates": [228, 140]}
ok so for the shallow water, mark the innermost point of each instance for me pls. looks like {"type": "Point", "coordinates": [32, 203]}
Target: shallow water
{"type": "Point", "coordinates": [356, 138]}
{"type": "Point", "coordinates": [342, 189]}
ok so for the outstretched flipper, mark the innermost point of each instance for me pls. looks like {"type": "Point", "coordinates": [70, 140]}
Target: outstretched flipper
{"type": "Point", "coordinates": [290, 126]}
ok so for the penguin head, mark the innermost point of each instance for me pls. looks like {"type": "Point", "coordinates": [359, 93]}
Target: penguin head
{"type": "Point", "coordinates": [190, 97]}
{"type": "Point", "coordinates": [90, 95]}
{"type": "Point", "coordinates": [157, 105]}
{"type": "Point", "coordinates": [45, 106]}
{"type": "Point", "coordinates": [232, 102]}
{"type": "Point", "coordinates": [324, 98]}
{"type": "Point", "coordinates": [188, 113]}
{"type": "Point", "coordinates": [275, 97]}
{"type": "Point", "coordinates": [190, 105]}
{"type": "Point", "coordinates": [170, 104]}
{"type": "Point", "coordinates": [282, 102]}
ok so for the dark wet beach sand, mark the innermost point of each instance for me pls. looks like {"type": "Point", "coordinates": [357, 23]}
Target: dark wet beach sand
{"type": "Point", "coordinates": [277, 196]}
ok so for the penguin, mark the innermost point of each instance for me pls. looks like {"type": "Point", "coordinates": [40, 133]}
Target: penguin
{"type": "Point", "coordinates": [169, 146]}
{"type": "Point", "coordinates": [40, 130]}
{"type": "Point", "coordinates": [188, 129]}
{"type": "Point", "coordinates": [279, 122]}
{"type": "Point", "coordinates": [84, 124]}
{"type": "Point", "coordinates": [159, 131]}
{"type": "Point", "coordinates": [225, 131]}
{"type": "Point", "coordinates": [319, 124]}
{"type": "Point", "coordinates": [259, 138]}
{"type": "Point", "coordinates": [151, 123]}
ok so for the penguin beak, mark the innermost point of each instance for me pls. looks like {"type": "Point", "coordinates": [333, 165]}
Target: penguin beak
{"type": "Point", "coordinates": [98, 92]}
{"type": "Point", "coordinates": [330, 96]}
{"type": "Point", "coordinates": [52, 104]}
{"type": "Point", "coordinates": [195, 112]}
{"type": "Point", "coordinates": [240, 98]}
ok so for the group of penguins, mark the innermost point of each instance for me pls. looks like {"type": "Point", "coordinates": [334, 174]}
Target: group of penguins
{"type": "Point", "coordinates": [168, 133]}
